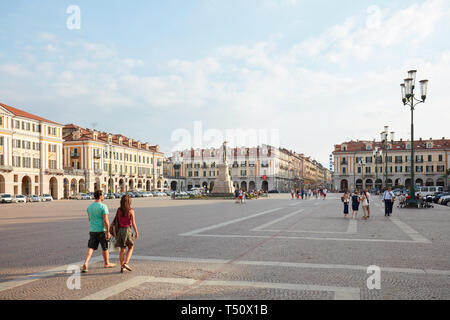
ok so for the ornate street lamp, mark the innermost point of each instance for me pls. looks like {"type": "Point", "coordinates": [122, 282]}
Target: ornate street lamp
{"type": "Point", "coordinates": [408, 98]}
{"type": "Point", "coordinates": [377, 153]}
{"type": "Point", "coordinates": [385, 143]}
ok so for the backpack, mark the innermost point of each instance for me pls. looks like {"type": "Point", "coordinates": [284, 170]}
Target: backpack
{"type": "Point", "coordinates": [342, 198]}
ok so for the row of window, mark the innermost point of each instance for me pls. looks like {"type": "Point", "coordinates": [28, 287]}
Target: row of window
{"type": "Point", "coordinates": [129, 158]}
{"type": "Point", "coordinates": [398, 159]}
{"type": "Point", "coordinates": [243, 173]}
{"type": "Point", "coordinates": [33, 127]}
{"type": "Point", "coordinates": [213, 165]}
{"type": "Point", "coordinates": [125, 169]}
{"type": "Point", "coordinates": [25, 162]}
{"type": "Point", "coordinates": [399, 169]}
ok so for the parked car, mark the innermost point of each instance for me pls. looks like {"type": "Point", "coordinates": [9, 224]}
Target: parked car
{"type": "Point", "coordinates": [274, 191]}
{"type": "Point", "coordinates": [110, 196]}
{"type": "Point", "coordinates": [444, 200]}
{"type": "Point", "coordinates": [20, 198]}
{"type": "Point", "coordinates": [131, 194]}
{"type": "Point", "coordinates": [34, 198]}
{"type": "Point", "coordinates": [6, 198]}
{"type": "Point", "coordinates": [439, 195]}
{"type": "Point", "coordinates": [46, 197]}
{"type": "Point", "coordinates": [83, 196]}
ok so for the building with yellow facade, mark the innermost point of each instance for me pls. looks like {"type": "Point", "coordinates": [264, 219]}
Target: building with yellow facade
{"type": "Point", "coordinates": [31, 159]}
{"type": "Point", "coordinates": [357, 166]}
{"type": "Point", "coordinates": [110, 162]}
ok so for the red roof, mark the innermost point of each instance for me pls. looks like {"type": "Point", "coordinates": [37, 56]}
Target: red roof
{"type": "Point", "coordinates": [353, 146]}
{"type": "Point", "coordinates": [21, 113]}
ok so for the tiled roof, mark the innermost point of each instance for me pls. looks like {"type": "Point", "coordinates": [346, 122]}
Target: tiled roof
{"type": "Point", "coordinates": [24, 114]}
{"type": "Point", "coordinates": [87, 134]}
{"type": "Point", "coordinates": [353, 146]}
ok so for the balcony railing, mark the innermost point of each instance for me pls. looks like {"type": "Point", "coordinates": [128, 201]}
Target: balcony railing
{"type": "Point", "coordinates": [74, 171]}
{"type": "Point", "coordinates": [54, 171]}
{"type": "Point", "coordinates": [74, 155]}
{"type": "Point", "coordinates": [98, 172]}
{"type": "Point", "coordinates": [6, 168]}
{"type": "Point", "coordinates": [97, 156]}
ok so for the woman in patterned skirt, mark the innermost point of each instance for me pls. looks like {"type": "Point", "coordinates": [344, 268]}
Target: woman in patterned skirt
{"type": "Point", "coordinates": [125, 237]}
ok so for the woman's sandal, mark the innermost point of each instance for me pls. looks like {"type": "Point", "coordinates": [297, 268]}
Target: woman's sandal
{"type": "Point", "coordinates": [127, 267]}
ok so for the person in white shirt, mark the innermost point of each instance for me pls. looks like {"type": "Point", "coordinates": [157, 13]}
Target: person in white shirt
{"type": "Point", "coordinates": [388, 199]}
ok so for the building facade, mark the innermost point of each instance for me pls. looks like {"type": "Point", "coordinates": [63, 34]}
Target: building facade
{"type": "Point", "coordinates": [111, 162]}
{"type": "Point", "coordinates": [30, 154]}
{"type": "Point", "coordinates": [257, 168]}
{"type": "Point", "coordinates": [431, 164]}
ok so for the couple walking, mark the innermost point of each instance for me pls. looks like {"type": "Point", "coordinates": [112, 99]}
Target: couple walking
{"type": "Point", "coordinates": [357, 198]}
{"type": "Point", "coordinates": [100, 231]}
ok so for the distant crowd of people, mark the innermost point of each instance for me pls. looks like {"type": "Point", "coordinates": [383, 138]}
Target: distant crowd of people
{"type": "Point", "coordinates": [307, 194]}
{"type": "Point", "coordinates": [240, 195]}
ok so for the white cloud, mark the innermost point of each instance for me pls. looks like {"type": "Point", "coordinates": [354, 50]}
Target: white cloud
{"type": "Point", "coordinates": [349, 40]}
{"type": "Point", "coordinates": [14, 70]}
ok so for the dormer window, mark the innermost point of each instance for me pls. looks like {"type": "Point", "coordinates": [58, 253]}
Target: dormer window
{"type": "Point", "coordinates": [369, 147]}
{"type": "Point", "coordinates": [430, 145]}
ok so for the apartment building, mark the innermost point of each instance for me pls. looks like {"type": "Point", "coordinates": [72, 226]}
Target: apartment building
{"type": "Point", "coordinates": [30, 154]}
{"type": "Point", "coordinates": [357, 165]}
{"type": "Point", "coordinates": [111, 162]}
{"type": "Point", "coordinates": [256, 168]}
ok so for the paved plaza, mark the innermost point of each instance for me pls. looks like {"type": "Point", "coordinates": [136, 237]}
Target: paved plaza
{"type": "Point", "coordinates": [265, 249]}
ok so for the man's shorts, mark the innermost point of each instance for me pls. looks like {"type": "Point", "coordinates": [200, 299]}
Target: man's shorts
{"type": "Point", "coordinates": [97, 238]}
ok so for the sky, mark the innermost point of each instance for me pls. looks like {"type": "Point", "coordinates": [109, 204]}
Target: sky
{"type": "Point", "coordinates": [302, 74]}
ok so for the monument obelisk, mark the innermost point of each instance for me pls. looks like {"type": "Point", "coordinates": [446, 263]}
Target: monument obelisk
{"type": "Point", "coordinates": [223, 185]}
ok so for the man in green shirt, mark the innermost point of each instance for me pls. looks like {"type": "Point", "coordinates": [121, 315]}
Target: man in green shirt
{"type": "Point", "coordinates": [99, 230]}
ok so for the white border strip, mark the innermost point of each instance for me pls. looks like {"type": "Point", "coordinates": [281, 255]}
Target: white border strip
{"type": "Point", "coordinates": [340, 293]}
{"type": "Point", "coordinates": [277, 220]}
{"type": "Point", "coordinates": [223, 224]}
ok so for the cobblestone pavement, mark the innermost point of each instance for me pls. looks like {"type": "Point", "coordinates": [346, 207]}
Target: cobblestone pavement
{"type": "Point", "coordinates": [274, 248]}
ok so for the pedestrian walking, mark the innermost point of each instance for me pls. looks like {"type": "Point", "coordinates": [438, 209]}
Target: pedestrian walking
{"type": "Point", "coordinates": [355, 204]}
{"type": "Point", "coordinates": [365, 204]}
{"type": "Point", "coordinates": [240, 195]}
{"type": "Point", "coordinates": [324, 192]}
{"type": "Point", "coordinates": [346, 200]}
{"type": "Point", "coordinates": [125, 239]}
{"type": "Point", "coordinates": [98, 231]}
{"type": "Point", "coordinates": [303, 193]}
{"type": "Point", "coordinates": [388, 199]}
{"type": "Point", "coordinates": [236, 195]}
{"type": "Point", "coordinates": [298, 194]}
{"type": "Point", "coordinates": [292, 194]}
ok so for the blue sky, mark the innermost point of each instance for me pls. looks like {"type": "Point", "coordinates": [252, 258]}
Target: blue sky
{"type": "Point", "coordinates": [320, 72]}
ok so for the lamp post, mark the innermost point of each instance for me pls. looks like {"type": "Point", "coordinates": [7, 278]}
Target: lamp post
{"type": "Point", "coordinates": [377, 153]}
{"type": "Point", "coordinates": [408, 98]}
{"type": "Point", "coordinates": [385, 144]}
{"type": "Point", "coordinates": [110, 150]}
